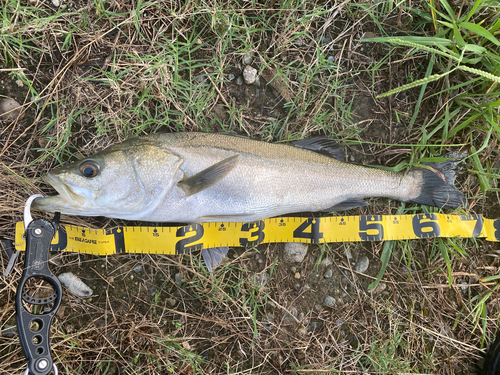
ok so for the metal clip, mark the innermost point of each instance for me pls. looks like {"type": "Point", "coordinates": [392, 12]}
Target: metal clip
{"type": "Point", "coordinates": [27, 218]}
{"type": "Point", "coordinates": [34, 328]}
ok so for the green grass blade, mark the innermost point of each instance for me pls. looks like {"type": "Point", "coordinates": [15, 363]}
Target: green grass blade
{"type": "Point", "coordinates": [481, 31]}
{"type": "Point", "coordinates": [384, 258]}
{"type": "Point", "coordinates": [430, 66]}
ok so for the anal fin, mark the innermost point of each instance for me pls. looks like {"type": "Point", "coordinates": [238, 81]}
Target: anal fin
{"type": "Point", "coordinates": [347, 205]}
{"type": "Point", "coordinates": [208, 177]}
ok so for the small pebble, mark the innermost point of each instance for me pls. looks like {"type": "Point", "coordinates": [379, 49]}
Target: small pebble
{"type": "Point", "coordinates": [9, 331]}
{"type": "Point", "coordinates": [302, 331]}
{"type": "Point", "coordinates": [9, 110]}
{"type": "Point", "coordinates": [249, 74]}
{"type": "Point", "coordinates": [271, 304]}
{"type": "Point", "coordinates": [82, 119]}
{"type": "Point", "coordinates": [259, 259]}
{"type": "Point", "coordinates": [326, 262]}
{"type": "Point", "coordinates": [178, 278]}
{"type": "Point", "coordinates": [295, 252]}
{"type": "Point", "coordinates": [291, 316]}
{"type": "Point", "coordinates": [328, 274]}
{"type": "Point", "coordinates": [297, 275]}
{"type": "Point", "coordinates": [348, 253]}
{"type": "Point", "coordinates": [201, 79]}
{"type": "Point", "coordinates": [330, 301]}
{"type": "Point", "coordinates": [380, 288]}
{"type": "Point", "coordinates": [75, 285]}
{"type": "Point", "coordinates": [261, 278]}
{"type": "Point", "coordinates": [248, 58]}
{"type": "Point", "coordinates": [313, 326]}
{"type": "Point", "coordinates": [171, 302]}
{"type": "Point", "coordinates": [267, 321]}
{"type": "Point", "coordinates": [330, 59]}
{"type": "Point", "coordinates": [324, 39]}
{"type": "Point", "coordinates": [339, 323]}
{"type": "Point", "coordinates": [239, 81]}
{"type": "Point", "coordinates": [56, 3]}
{"type": "Point", "coordinates": [362, 264]}
{"type": "Point", "coordinates": [19, 83]}
{"type": "Point", "coordinates": [306, 288]}
{"type": "Point", "coordinates": [138, 268]}
{"type": "Point", "coordinates": [231, 76]}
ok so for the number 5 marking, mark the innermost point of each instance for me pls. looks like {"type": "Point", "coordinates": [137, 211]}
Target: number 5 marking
{"type": "Point", "coordinates": [367, 223]}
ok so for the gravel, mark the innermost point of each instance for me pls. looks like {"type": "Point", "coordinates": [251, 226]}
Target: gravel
{"type": "Point", "coordinates": [362, 264]}
{"type": "Point", "coordinates": [9, 110]}
{"type": "Point", "coordinates": [249, 74]}
{"type": "Point", "coordinates": [295, 252]}
{"type": "Point", "coordinates": [330, 301]}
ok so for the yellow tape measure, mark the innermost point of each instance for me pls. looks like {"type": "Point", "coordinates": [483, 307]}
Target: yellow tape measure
{"type": "Point", "coordinates": [179, 240]}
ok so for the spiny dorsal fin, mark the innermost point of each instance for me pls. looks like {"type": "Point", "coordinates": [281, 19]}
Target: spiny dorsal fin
{"type": "Point", "coordinates": [208, 177]}
{"type": "Point", "coordinates": [322, 146]}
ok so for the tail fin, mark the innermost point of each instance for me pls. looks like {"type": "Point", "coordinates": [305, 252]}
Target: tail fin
{"type": "Point", "coordinates": [492, 360]}
{"type": "Point", "coordinates": [438, 187]}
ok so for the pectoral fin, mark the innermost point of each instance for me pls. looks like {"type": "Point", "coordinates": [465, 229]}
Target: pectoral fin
{"type": "Point", "coordinates": [208, 177]}
{"type": "Point", "coordinates": [214, 256]}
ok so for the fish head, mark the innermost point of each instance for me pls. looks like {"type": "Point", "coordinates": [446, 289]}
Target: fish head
{"type": "Point", "coordinates": [127, 180]}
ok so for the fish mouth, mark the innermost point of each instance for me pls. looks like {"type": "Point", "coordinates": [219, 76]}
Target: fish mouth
{"type": "Point", "coordinates": [68, 197]}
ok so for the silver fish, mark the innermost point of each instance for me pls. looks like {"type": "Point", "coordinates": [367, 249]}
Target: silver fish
{"type": "Point", "coordinates": [203, 177]}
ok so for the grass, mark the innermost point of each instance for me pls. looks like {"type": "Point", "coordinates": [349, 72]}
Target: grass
{"type": "Point", "coordinates": [398, 85]}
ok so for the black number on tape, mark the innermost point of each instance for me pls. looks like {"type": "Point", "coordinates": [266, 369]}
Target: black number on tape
{"type": "Point", "coordinates": [256, 230]}
{"type": "Point", "coordinates": [426, 225]}
{"type": "Point", "coordinates": [119, 239]}
{"type": "Point", "coordinates": [314, 235]}
{"type": "Point", "coordinates": [63, 240]}
{"type": "Point", "coordinates": [181, 246]}
{"type": "Point", "coordinates": [496, 225]}
{"type": "Point", "coordinates": [369, 223]}
{"type": "Point", "coordinates": [478, 227]}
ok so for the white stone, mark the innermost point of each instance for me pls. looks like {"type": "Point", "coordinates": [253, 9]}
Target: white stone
{"type": "Point", "coordinates": [249, 74]}
{"type": "Point", "coordinates": [75, 285]}
{"type": "Point", "coordinates": [295, 252]}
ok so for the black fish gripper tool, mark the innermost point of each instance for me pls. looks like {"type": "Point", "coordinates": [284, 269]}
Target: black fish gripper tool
{"type": "Point", "coordinates": [35, 311]}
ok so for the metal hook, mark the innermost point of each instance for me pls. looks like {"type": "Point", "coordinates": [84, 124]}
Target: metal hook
{"type": "Point", "coordinates": [27, 219]}
{"type": "Point", "coordinates": [27, 372]}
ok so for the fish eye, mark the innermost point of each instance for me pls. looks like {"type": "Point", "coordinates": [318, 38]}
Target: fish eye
{"type": "Point", "coordinates": [89, 168]}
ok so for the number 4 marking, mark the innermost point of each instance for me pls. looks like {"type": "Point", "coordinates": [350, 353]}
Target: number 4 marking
{"type": "Point", "coordinates": [314, 235]}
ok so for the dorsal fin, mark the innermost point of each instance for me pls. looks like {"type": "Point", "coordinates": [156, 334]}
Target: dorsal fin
{"type": "Point", "coordinates": [322, 145]}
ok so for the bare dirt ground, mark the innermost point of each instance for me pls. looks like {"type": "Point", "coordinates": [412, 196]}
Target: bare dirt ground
{"type": "Point", "coordinates": [257, 313]}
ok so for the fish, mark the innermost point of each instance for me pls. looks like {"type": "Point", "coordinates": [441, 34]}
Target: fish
{"type": "Point", "coordinates": [212, 177]}
{"type": "Point", "coordinates": [491, 365]}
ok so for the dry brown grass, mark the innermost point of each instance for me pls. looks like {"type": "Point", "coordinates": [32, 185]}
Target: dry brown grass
{"type": "Point", "coordinates": [98, 73]}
